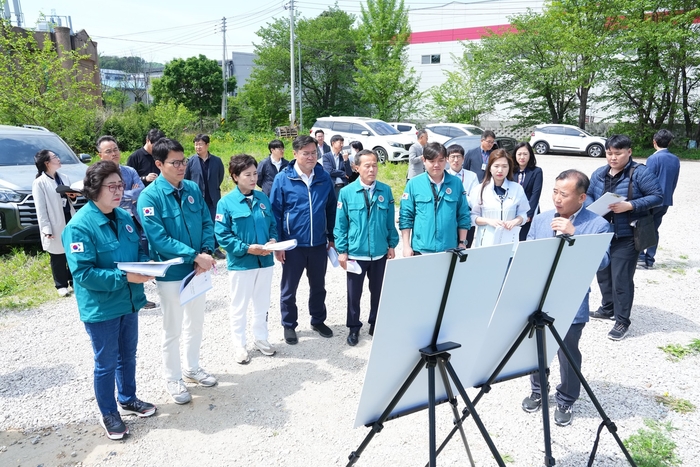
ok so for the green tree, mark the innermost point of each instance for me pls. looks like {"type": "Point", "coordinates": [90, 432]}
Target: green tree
{"type": "Point", "coordinates": [195, 83]}
{"type": "Point", "coordinates": [384, 79]}
{"type": "Point", "coordinates": [39, 87]}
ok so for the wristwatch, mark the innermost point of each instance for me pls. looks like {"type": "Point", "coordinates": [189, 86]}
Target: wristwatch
{"type": "Point", "coordinates": [207, 251]}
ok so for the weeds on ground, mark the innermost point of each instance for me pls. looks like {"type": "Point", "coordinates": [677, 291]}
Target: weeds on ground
{"type": "Point", "coordinates": [25, 278]}
{"type": "Point", "coordinates": [653, 447]}
{"type": "Point", "coordinates": [678, 351]}
{"type": "Point", "coordinates": [508, 459]}
{"type": "Point", "coordinates": [675, 403]}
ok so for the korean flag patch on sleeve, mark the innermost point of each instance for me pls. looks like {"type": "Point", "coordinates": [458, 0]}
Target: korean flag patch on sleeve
{"type": "Point", "coordinates": [404, 196]}
{"type": "Point", "coordinates": [148, 211]}
{"type": "Point", "coordinates": [76, 247]}
{"type": "Point", "coordinates": [219, 217]}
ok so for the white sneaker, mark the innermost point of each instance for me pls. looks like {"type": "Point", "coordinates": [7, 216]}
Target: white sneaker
{"type": "Point", "coordinates": [265, 348]}
{"type": "Point", "coordinates": [199, 376]}
{"type": "Point", "coordinates": [63, 292]}
{"type": "Point", "coordinates": [241, 355]}
{"type": "Point", "coordinates": [178, 391]}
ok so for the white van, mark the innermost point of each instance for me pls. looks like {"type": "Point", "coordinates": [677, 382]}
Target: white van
{"type": "Point", "coordinates": [389, 144]}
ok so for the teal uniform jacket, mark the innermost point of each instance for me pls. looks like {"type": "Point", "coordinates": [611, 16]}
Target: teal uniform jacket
{"type": "Point", "coordinates": [238, 226]}
{"type": "Point", "coordinates": [92, 250]}
{"type": "Point", "coordinates": [175, 230]}
{"type": "Point", "coordinates": [434, 228]}
{"type": "Point", "coordinates": [361, 234]}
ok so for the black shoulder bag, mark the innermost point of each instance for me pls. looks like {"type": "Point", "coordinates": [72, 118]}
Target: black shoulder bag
{"type": "Point", "coordinates": [644, 230]}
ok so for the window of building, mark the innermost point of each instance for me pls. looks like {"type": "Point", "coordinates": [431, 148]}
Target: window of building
{"type": "Point", "coordinates": [430, 59]}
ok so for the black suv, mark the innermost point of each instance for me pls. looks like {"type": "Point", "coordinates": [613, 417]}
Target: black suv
{"type": "Point", "coordinates": [18, 145]}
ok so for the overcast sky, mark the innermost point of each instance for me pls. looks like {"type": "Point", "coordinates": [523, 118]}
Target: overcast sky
{"type": "Point", "coordinates": [160, 30]}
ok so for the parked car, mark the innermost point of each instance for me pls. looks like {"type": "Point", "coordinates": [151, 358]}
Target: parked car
{"type": "Point", "coordinates": [18, 145]}
{"type": "Point", "coordinates": [471, 142]}
{"type": "Point", "coordinates": [566, 139]}
{"type": "Point", "coordinates": [441, 132]}
{"type": "Point", "coordinates": [389, 143]}
{"type": "Point", "coordinates": [410, 128]}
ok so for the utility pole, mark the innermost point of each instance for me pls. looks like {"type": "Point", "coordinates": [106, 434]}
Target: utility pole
{"type": "Point", "coordinates": [224, 98]}
{"type": "Point", "coordinates": [293, 116]}
{"type": "Point", "coordinates": [301, 113]}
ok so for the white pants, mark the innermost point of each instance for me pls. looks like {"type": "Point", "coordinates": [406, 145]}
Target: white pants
{"type": "Point", "coordinates": [187, 320]}
{"type": "Point", "coordinates": [250, 284]}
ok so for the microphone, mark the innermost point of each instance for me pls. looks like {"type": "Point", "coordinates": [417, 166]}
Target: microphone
{"type": "Point", "coordinates": [557, 232]}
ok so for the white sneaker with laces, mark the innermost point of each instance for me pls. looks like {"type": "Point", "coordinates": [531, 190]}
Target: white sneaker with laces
{"type": "Point", "coordinates": [265, 348]}
{"type": "Point", "coordinates": [178, 391]}
{"type": "Point", "coordinates": [241, 355]}
{"type": "Point", "coordinates": [63, 292]}
{"type": "Point", "coordinates": [200, 377]}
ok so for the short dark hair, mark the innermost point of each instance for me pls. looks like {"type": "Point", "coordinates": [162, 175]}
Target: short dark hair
{"type": "Point", "coordinates": [319, 131]}
{"type": "Point", "coordinates": [239, 163]}
{"type": "Point", "coordinates": [154, 134]}
{"type": "Point", "coordinates": [201, 137]}
{"type": "Point", "coordinates": [40, 160]}
{"type": "Point", "coordinates": [104, 138]}
{"type": "Point", "coordinates": [532, 162]}
{"type": "Point", "coordinates": [96, 175]}
{"type": "Point", "coordinates": [618, 142]}
{"type": "Point", "coordinates": [302, 141]}
{"type": "Point", "coordinates": [663, 138]}
{"type": "Point", "coordinates": [364, 152]}
{"type": "Point", "coordinates": [357, 146]}
{"type": "Point", "coordinates": [582, 180]}
{"type": "Point", "coordinates": [335, 138]}
{"type": "Point", "coordinates": [455, 149]}
{"type": "Point", "coordinates": [433, 151]}
{"type": "Point", "coordinates": [275, 144]}
{"type": "Point", "coordinates": [488, 133]}
{"type": "Point", "coordinates": [421, 132]}
{"type": "Point", "coordinates": [164, 146]}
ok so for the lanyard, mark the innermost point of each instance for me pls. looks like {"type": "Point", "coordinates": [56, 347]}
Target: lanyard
{"type": "Point", "coordinates": [435, 195]}
{"type": "Point", "coordinates": [367, 203]}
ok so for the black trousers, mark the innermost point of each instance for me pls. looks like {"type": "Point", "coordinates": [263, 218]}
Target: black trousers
{"type": "Point", "coordinates": [374, 270]}
{"type": "Point", "coordinates": [570, 387]}
{"type": "Point", "coordinates": [62, 277]}
{"type": "Point", "coordinates": [314, 260]}
{"type": "Point", "coordinates": [616, 281]}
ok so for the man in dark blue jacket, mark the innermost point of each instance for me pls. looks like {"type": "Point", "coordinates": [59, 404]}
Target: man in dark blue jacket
{"type": "Point", "coordinates": [304, 205]}
{"type": "Point", "coordinates": [666, 167]}
{"type": "Point", "coordinates": [617, 280]}
{"type": "Point", "coordinates": [337, 164]}
{"type": "Point", "coordinates": [271, 166]}
{"type": "Point", "coordinates": [207, 171]}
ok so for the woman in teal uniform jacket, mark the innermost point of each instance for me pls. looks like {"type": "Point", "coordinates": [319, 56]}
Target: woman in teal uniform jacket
{"type": "Point", "coordinates": [97, 237]}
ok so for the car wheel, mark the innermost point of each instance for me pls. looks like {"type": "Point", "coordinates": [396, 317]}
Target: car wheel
{"type": "Point", "coordinates": [381, 154]}
{"type": "Point", "coordinates": [541, 148]}
{"type": "Point", "coordinates": [595, 150]}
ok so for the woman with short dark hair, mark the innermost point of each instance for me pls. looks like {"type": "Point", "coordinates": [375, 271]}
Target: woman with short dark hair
{"type": "Point", "coordinates": [100, 235]}
{"type": "Point", "coordinates": [53, 212]}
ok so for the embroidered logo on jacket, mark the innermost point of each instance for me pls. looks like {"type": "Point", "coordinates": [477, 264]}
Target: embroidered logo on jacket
{"type": "Point", "coordinates": [76, 247]}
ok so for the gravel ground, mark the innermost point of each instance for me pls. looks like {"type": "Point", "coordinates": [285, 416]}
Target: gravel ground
{"type": "Point", "coordinates": [298, 407]}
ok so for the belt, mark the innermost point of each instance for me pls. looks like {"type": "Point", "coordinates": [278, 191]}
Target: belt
{"type": "Point", "coordinates": [340, 184]}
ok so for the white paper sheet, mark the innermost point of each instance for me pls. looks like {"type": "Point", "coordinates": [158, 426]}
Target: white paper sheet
{"type": "Point", "coordinates": [333, 257]}
{"type": "Point", "coordinates": [281, 246]}
{"type": "Point", "coordinates": [600, 206]}
{"type": "Point", "coordinates": [353, 267]}
{"type": "Point", "coordinates": [150, 268]}
{"type": "Point", "coordinates": [193, 286]}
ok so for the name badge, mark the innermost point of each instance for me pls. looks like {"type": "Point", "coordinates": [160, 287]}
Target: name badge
{"type": "Point", "coordinates": [64, 201]}
{"type": "Point", "coordinates": [483, 166]}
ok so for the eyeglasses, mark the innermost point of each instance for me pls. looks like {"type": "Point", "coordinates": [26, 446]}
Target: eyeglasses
{"type": "Point", "coordinates": [176, 164]}
{"type": "Point", "coordinates": [110, 151]}
{"type": "Point", "coordinates": [489, 141]}
{"type": "Point", "coordinates": [115, 188]}
{"type": "Point", "coordinates": [308, 154]}
{"type": "Point", "coordinates": [455, 157]}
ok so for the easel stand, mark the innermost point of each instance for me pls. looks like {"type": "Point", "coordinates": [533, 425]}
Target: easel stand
{"type": "Point", "coordinates": [537, 322]}
{"type": "Point", "coordinates": [432, 356]}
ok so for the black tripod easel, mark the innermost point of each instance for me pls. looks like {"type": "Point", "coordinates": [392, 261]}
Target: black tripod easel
{"type": "Point", "coordinates": [432, 356]}
{"type": "Point", "coordinates": [537, 322]}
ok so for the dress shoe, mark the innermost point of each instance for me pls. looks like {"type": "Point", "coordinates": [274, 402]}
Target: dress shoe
{"type": "Point", "coordinates": [353, 338]}
{"type": "Point", "coordinates": [323, 330]}
{"type": "Point", "coordinates": [290, 336]}
{"type": "Point", "coordinates": [371, 329]}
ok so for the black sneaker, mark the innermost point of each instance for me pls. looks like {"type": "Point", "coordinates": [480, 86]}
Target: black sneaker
{"type": "Point", "coordinates": [218, 254]}
{"type": "Point", "coordinates": [618, 332]}
{"type": "Point", "coordinates": [290, 336]}
{"type": "Point", "coordinates": [323, 330]}
{"type": "Point", "coordinates": [150, 305]}
{"type": "Point", "coordinates": [137, 407]}
{"type": "Point", "coordinates": [563, 415]}
{"type": "Point", "coordinates": [600, 314]}
{"type": "Point", "coordinates": [532, 403]}
{"type": "Point", "coordinates": [113, 425]}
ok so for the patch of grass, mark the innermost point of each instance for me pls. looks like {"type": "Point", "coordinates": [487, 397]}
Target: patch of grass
{"type": "Point", "coordinates": [678, 270]}
{"type": "Point", "coordinates": [653, 447]}
{"type": "Point", "coordinates": [675, 403]}
{"type": "Point", "coordinates": [678, 351]}
{"type": "Point", "coordinates": [25, 278]}
{"type": "Point", "coordinates": [508, 459]}
{"type": "Point", "coordinates": [684, 256]}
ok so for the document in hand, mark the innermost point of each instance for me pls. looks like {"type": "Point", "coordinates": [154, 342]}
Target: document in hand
{"type": "Point", "coordinates": [600, 206]}
{"type": "Point", "coordinates": [333, 257]}
{"type": "Point", "coordinates": [150, 268]}
{"type": "Point", "coordinates": [503, 235]}
{"type": "Point", "coordinates": [281, 246]}
{"type": "Point", "coordinates": [353, 267]}
{"type": "Point", "coordinates": [193, 286]}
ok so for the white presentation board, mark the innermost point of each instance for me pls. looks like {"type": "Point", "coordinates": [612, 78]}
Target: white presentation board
{"type": "Point", "coordinates": [489, 303]}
